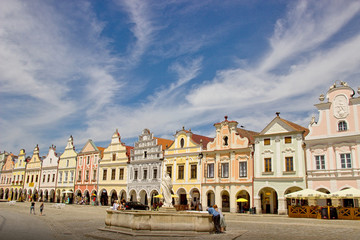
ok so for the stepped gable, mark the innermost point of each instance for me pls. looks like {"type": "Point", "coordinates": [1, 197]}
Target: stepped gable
{"type": "Point", "coordinates": [165, 143]}
{"type": "Point", "coordinates": [248, 134]}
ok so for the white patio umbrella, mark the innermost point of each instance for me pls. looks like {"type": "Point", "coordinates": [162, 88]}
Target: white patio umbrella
{"type": "Point", "coordinates": [67, 192]}
{"type": "Point", "coordinates": [307, 193]}
{"type": "Point", "coordinates": [347, 193]}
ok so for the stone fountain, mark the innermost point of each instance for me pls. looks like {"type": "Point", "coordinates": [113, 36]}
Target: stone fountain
{"type": "Point", "coordinates": [167, 221]}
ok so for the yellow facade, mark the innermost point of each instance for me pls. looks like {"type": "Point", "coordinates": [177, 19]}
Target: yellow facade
{"type": "Point", "coordinates": [113, 171]}
{"type": "Point", "coordinates": [32, 176]}
{"type": "Point", "coordinates": [181, 162]}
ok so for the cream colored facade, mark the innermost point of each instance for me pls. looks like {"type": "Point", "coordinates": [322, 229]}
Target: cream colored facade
{"type": "Point", "coordinates": [279, 165]}
{"type": "Point", "coordinates": [32, 176]}
{"type": "Point", "coordinates": [113, 171]}
{"type": "Point", "coordinates": [66, 172]}
{"type": "Point", "coordinates": [181, 162]}
{"type": "Point", "coordinates": [19, 175]}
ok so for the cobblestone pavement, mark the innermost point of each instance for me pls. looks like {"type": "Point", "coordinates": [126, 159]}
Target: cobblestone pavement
{"type": "Point", "coordinates": [83, 222]}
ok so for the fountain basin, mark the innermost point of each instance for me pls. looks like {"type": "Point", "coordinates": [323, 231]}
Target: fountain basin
{"type": "Point", "coordinates": [159, 221]}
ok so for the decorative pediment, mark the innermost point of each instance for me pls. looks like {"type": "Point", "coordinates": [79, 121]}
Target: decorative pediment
{"type": "Point", "coordinates": [288, 150]}
{"type": "Point", "coordinates": [267, 151]}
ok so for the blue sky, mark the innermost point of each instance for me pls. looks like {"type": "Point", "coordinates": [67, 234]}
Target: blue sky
{"type": "Point", "coordinates": [85, 68]}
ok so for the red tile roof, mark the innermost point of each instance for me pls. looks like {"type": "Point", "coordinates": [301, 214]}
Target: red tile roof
{"type": "Point", "coordinates": [201, 139]}
{"type": "Point", "coordinates": [248, 134]}
{"type": "Point", "coordinates": [296, 127]}
{"type": "Point", "coordinates": [165, 143]}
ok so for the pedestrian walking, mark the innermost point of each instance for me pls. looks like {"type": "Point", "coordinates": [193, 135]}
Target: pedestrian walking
{"type": "Point", "coordinates": [41, 208]}
{"type": "Point", "coordinates": [32, 207]}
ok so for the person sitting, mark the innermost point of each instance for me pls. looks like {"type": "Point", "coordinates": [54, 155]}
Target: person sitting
{"type": "Point", "coordinates": [215, 217]}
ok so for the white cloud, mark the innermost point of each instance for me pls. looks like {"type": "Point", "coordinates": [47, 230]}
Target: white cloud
{"type": "Point", "coordinates": [306, 26]}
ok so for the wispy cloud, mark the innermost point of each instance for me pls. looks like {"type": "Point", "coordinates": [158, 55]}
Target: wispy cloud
{"type": "Point", "coordinates": [306, 26]}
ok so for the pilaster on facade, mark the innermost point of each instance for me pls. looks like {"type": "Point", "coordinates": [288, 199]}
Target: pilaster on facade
{"type": "Point", "coordinates": [145, 168]}
{"type": "Point", "coordinates": [228, 165]}
{"type": "Point", "coordinates": [332, 146]}
{"type": "Point", "coordinates": [280, 164]}
{"type": "Point", "coordinates": [113, 171]}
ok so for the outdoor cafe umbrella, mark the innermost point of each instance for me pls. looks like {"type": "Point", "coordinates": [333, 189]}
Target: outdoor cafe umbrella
{"type": "Point", "coordinates": [67, 192]}
{"type": "Point", "coordinates": [161, 196]}
{"type": "Point", "coordinates": [241, 200]}
{"type": "Point", "coordinates": [307, 193]}
{"type": "Point", "coordinates": [347, 193]}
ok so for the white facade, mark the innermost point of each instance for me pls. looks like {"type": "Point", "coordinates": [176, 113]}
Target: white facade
{"type": "Point", "coordinates": [279, 165]}
{"type": "Point", "coordinates": [49, 174]}
{"type": "Point", "coordinates": [144, 170]}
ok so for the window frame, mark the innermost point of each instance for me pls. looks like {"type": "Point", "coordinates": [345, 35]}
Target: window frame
{"type": "Point", "coordinates": [289, 164]}
{"type": "Point", "coordinates": [210, 170]}
{"type": "Point", "coordinates": [242, 170]}
{"type": "Point", "coordinates": [193, 172]}
{"type": "Point", "coordinates": [320, 163]}
{"type": "Point", "coordinates": [345, 160]}
{"type": "Point", "coordinates": [267, 141]}
{"type": "Point", "coordinates": [181, 172]}
{"type": "Point", "coordinates": [225, 170]}
{"type": "Point", "coordinates": [267, 165]}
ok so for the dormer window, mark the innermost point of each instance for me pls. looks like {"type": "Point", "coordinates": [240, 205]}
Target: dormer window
{"type": "Point", "coordinates": [182, 143]}
{"type": "Point", "coordinates": [342, 126]}
{"type": "Point", "coordinates": [226, 141]}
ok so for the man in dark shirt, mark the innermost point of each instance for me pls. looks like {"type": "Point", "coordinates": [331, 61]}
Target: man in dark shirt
{"type": "Point", "coordinates": [32, 207]}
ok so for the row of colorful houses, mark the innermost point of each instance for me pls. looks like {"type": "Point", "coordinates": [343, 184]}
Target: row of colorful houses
{"type": "Point", "coordinates": [260, 167]}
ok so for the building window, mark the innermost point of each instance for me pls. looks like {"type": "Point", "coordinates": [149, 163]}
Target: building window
{"type": "Point", "coordinates": [50, 160]}
{"type": "Point", "coordinates": [267, 141]}
{"type": "Point", "coordinates": [44, 178]}
{"type": "Point", "coordinates": [182, 143]}
{"type": "Point", "coordinates": [113, 173]}
{"type": "Point", "coordinates": [145, 174]}
{"type": "Point", "coordinates": [145, 154]}
{"type": "Point", "coordinates": [155, 173]}
{"type": "Point", "coordinates": [67, 163]}
{"type": "Point", "coordinates": [48, 178]}
{"type": "Point", "coordinates": [66, 176]}
{"type": "Point", "coordinates": [320, 162]}
{"type": "Point", "coordinates": [210, 170]}
{"type": "Point", "coordinates": [79, 176]}
{"type": "Point", "coordinates": [28, 178]}
{"type": "Point", "coordinates": [60, 177]}
{"type": "Point", "coordinates": [71, 176]}
{"type": "Point", "coordinates": [342, 126]}
{"type": "Point", "coordinates": [121, 175]}
{"type": "Point", "coordinates": [225, 170]}
{"type": "Point", "coordinates": [104, 174]}
{"type": "Point", "coordinates": [88, 160]}
{"type": "Point", "coordinates": [135, 174]}
{"type": "Point", "coordinates": [94, 174]}
{"type": "Point", "coordinates": [114, 157]}
{"type": "Point", "coordinates": [287, 139]}
{"type": "Point", "coordinates": [169, 170]}
{"type": "Point", "coordinates": [53, 178]}
{"type": "Point", "coordinates": [289, 164]}
{"type": "Point", "coordinates": [32, 178]}
{"type": "Point", "coordinates": [243, 169]}
{"type": "Point", "coordinates": [193, 171]}
{"type": "Point", "coordinates": [345, 160]}
{"type": "Point", "coordinates": [267, 165]}
{"type": "Point", "coordinates": [37, 178]}
{"type": "Point", "coordinates": [181, 172]}
{"type": "Point", "coordinates": [87, 175]}
{"type": "Point", "coordinates": [226, 141]}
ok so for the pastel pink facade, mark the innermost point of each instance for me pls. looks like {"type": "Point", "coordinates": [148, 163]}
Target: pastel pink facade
{"type": "Point", "coordinates": [333, 143]}
{"type": "Point", "coordinates": [87, 170]}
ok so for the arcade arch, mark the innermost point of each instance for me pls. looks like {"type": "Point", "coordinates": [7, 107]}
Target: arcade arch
{"type": "Point", "coordinates": [269, 200]}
